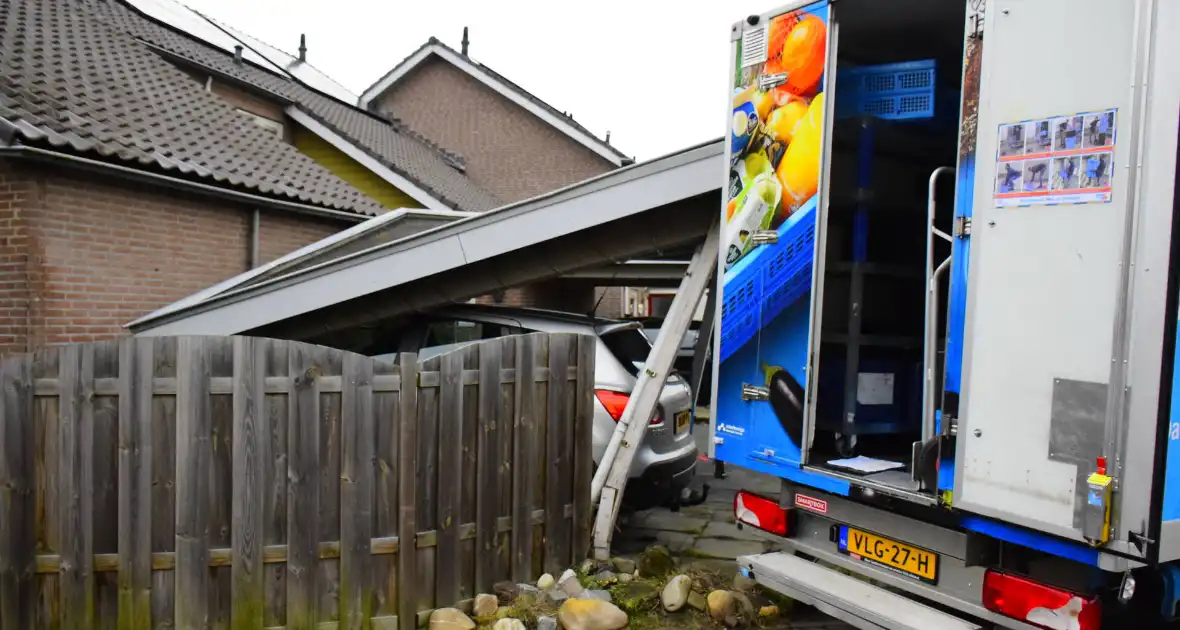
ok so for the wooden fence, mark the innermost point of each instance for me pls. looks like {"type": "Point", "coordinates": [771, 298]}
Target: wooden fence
{"type": "Point", "coordinates": [239, 482]}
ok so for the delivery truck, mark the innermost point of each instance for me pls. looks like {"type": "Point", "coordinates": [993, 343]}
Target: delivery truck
{"type": "Point", "coordinates": [947, 293]}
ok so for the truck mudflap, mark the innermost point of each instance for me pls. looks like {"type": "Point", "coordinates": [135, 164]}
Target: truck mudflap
{"type": "Point", "coordinates": [853, 601]}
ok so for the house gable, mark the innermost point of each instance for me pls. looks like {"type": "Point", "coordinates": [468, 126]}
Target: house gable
{"type": "Point", "coordinates": [346, 168]}
{"type": "Point", "coordinates": [509, 151]}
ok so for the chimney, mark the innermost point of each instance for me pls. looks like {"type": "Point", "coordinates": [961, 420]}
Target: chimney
{"type": "Point", "coordinates": [466, 42]}
{"type": "Point", "coordinates": [608, 137]}
{"type": "Point", "coordinates": [238, 54]}
{"type": "Point", "coordinates": [302, 47]}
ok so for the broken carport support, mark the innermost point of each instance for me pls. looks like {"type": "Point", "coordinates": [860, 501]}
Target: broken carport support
{"type": "Point", "coordinates": [611, 477]}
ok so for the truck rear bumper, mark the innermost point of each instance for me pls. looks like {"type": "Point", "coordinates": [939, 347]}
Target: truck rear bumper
{"type": "Point", "coordinates": [959, 583]}
{"type": "Point", "coordinates": [853, 601]}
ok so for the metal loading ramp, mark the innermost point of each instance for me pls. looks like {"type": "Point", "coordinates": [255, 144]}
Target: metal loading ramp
{"type": "Point", "coordinates": [846, 598]}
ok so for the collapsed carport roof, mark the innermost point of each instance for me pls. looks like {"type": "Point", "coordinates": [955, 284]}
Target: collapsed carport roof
{"type": "Point", "coordinates": [643, 209]}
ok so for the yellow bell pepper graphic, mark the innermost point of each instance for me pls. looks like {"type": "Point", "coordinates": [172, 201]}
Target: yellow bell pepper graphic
{"type": "Point", "coordinates": [798, 171]}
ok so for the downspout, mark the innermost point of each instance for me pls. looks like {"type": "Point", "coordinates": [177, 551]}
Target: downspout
{"type": "Point", "coordinates": [255, 237]}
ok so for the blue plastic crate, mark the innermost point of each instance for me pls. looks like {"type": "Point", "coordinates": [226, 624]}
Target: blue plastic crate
{"type": "Point", "coordinates": [895, 91]}
{"type": "Point", "coordinates": [768, 280]}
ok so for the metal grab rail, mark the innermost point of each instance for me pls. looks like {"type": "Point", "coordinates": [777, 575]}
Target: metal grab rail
{"type": "Point", "coordinates": [930, 340]}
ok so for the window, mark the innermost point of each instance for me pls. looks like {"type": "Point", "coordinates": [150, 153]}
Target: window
{"type": "Point", "coordinates": [450, 331]}
{"type": "Point", "coordinates": [273, 126]}
{"type": "Point", "coordinates": [629, 346]}
{"type": "Point", "coordinates": [658, 304]}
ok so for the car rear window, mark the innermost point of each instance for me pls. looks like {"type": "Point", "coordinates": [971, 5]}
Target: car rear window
{"type": "Point", "coordinates": [629, 346]}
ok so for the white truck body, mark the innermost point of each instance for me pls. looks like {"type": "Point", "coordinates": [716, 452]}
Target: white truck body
{"type": "Point", "coordinates": [1006, 395]}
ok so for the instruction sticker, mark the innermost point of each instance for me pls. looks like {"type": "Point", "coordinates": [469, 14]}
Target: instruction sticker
{"type": "Point", "coordinates": [1059, 160]}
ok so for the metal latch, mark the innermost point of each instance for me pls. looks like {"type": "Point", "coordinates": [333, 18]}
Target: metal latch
{"type": "Point", "coordinates": [764, 237]}
{"type": "Point", "coordinates": [962, 227]}
{"type": "Point", "coordinates": [755, 393]}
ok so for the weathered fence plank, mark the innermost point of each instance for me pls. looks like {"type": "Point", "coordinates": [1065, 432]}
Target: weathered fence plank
{"type": "Point", "coordinates": [450, 463]}
{"type": "Point", "coordinates": [489, 462]}
{"type": "Point", "coordinates": [583, 446]}
{"type": "Point", "coordinates": [303, 500]}
{"type": "Point", "coordinates": [328, 579]}
{"type": "Point", "coordinates": [407, 559]}
{"type": "Point", "coordinates": [105, 484]}
{"type": "Point", "coordinates": [557, 450]}
{"type": "Point", "coordinates": [427, 505]}
{"type": "Point", "coordinates": [193, 458]}
{"type": "Point", "coordinates": [221, 482]}
{"type": "Point", "coordinates": [250, 431]}
{"type": "Point", "coordinates": [506, 425]}
{"type": "Point", "coordinates": [249, 483]}
{"type": "Point", "coordinates": [16, 493]}
{"type": "Point", "coordinates": [135, 483]}
{"type": "Point", "coordinates": [385, 411]}
{"type": "Point", "coordinates": [163, 505]}
{"type": "Point", "coordinates": [275, 483]}
{"type": "Point", "coordinates": [540, 395]}
{"type": "Point", "coordinates": [523, 463]}
{"type": "Point", "coordinates": [356, 493]}
{"type": "Point", "coordinates": [74, 483]}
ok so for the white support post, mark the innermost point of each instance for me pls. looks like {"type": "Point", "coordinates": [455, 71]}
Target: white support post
{"type": "Point", "coordinates": [611, 477]}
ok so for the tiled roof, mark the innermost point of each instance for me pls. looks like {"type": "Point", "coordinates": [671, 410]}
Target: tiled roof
{"type": "Point", "coordinates": [84, 74]}
{"type": "Point", "coordinates": [512, 86]}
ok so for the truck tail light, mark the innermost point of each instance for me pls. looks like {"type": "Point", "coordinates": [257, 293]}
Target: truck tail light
{"type": "Point", "coordinates": [1039, 605]}
{"type": "Point", "coordinates": [760, 512]}
{"type": "Point", "coordinates": [616, 403]}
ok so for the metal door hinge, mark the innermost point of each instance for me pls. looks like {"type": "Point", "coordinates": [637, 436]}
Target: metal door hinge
{"type": "Point", "coordinates": [764, 237]}
{"type": "Point", "coordinates": [962, 227]}
{"type": "Point", "coordinates": [755, 393]}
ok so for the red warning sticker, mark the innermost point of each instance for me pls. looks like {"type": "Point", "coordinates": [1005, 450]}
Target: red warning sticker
{"type": "Point", "coordinates": [809, 503]}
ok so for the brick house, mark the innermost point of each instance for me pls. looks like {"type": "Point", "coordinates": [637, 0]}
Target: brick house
{"type": "Point", "coordinates": [515, 145]}
{"type": "Point", "coordinates": [141, 161]}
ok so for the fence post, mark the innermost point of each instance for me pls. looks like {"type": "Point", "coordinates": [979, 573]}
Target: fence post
{"type": "Point", "coordinates": [407, 556]}
{"type": "Point", "coordinates": [193, 457]}
{"type": "Point", "coordinates": [251, 428]}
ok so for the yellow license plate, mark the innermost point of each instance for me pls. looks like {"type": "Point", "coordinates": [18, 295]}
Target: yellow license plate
{"type": "Point", "coordinates": [682, 420]}
{"type": "Point", "coordinates": [889, 554]}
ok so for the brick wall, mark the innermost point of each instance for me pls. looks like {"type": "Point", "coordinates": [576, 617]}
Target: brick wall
{"type": "Point", "coordinates": [14, 295]}
{"type": "Point", "coordinates": [283, 233]}
{"type": "Point", "coordinates": [509, 151]}
{"type": "Point", "coordinates": [98, 252]}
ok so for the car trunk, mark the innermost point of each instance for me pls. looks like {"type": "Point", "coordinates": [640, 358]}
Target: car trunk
{"type": "Point", "coordinates": [626, 343]}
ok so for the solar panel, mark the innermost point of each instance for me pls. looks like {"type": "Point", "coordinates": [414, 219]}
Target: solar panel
{"type": "Point", "coordinates": [226, 38]}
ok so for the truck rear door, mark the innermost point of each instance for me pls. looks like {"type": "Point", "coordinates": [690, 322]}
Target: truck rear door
{"type": "Point", "coordinates": [1044, 333]}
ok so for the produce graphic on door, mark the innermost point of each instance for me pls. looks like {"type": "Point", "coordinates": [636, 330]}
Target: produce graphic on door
{"type": "Point", "coordinates": [776, 138]}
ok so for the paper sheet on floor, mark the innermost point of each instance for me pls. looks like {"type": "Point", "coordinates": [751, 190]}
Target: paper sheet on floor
{"type": "Point", "coordinates": [866, 465]}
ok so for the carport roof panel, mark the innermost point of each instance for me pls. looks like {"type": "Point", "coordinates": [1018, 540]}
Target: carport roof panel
{"type": "Point", "coordinates": [390, 226]}
{"type": "Point", "coordinates": [250, 300]}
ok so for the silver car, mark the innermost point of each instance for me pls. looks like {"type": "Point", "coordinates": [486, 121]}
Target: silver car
{"type": "Point", "coordinates": [665, 462]}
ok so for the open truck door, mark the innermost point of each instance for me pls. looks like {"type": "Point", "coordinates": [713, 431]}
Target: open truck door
{"type": "Point", "coordinates": [826, 251]}
{"type": "Point", "coordinates": [1043, 407]}
{"type": "Point", "coordinates": [776, 146]}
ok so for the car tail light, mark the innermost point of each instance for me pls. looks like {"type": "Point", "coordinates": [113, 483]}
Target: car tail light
{"type": "Point", "coordinates": [616, 403]}
{"type": "Point", "coordinates": [1039, 605]}
{"type": "Point", "coordinates": [760, 512]}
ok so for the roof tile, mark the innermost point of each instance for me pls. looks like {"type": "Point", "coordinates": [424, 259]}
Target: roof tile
{"type": "Point", "coordinates": [78, 74]}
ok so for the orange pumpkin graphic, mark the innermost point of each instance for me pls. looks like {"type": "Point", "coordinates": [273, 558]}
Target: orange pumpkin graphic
{"type": "Point", "coordinates": [802, 56]}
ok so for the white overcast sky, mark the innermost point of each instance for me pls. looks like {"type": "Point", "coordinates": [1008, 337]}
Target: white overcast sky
{"type": "Point", "coordinates": [652, 72]}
